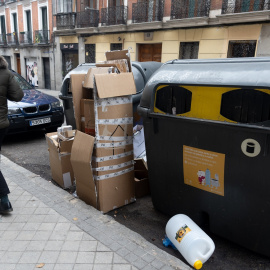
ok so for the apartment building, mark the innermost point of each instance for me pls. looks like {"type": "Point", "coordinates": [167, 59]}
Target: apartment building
{"type": "Point", "coordinates": [158, 30]}
{"type": "Point", "coordinates": [51, 37]}
{"type": "Point", "coordinates": [26, 39]}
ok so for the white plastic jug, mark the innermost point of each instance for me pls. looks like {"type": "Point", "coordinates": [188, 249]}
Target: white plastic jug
{"type": "Point", "coordinates": [191, 241]}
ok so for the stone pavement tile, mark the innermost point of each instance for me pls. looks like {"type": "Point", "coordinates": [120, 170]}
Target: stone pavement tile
{"type": "Point", "coordinates": [67, 257]}
{"type": "Point", "coordinates": [64, 266]}
{"type": "Point", "coordinates": [71, 245]}
{"type": "Point", "coordinates": [85, 257]}
{"type": "Point", "coordinates": [36, 245]}
{"type": "Point", "coordinates": [11, 257]}
{"type": "Point", "coordinates": [49, 256]}
{"type": "Point", "coordinates": [102, 267]}
{"type": "Point", "coordinates": [88, 246]}
{"type": "Point", "coordinates": [29, 226]}
{"type": "Point", "coordinates": [47, 227]}
{"type": "Point", "coordinates": [42, 235]}
{"type": "Point", "coordinates": [118, 259]}
{"type": "Point", "coordinates": [10, 235]}
{"type": "Point", "coordinates": [121, 267]}
{"type": "Point", "coordinates": [83, 267]}
{"type": "Point", "coordinates": [54, 245]}
{"type": "Point", "coordinates": [17, 245]}
{"type": "Point", "coordinates": [24, 235]}
{"type": "Point", "coordinates": [104, 258]}
{"type": "Point", "coordinates": [8, 266]}
{"type": "Point", "coordinates": [30, 257]}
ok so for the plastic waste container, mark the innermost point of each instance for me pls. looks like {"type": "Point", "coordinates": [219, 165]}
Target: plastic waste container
{"type": "Point", "coordinates": [207, 134]}
{"type": "Point", "coordinates": [142, 71]}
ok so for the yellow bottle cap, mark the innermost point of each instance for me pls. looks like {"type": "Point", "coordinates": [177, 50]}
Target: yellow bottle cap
{"type": "Point", "coordinates": [198, 264]}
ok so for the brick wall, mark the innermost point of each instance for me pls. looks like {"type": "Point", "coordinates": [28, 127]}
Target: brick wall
{"type": "Point", "coordinates": [167, 8]}
{"type": "Point", "coordinates": [8, 24]}
{"type": "Point", "coordinates": [130, 8]}
{"type": "Point", "coordinates": [216, 4]}
{"type": "Point", "coordinates": [35, 17]}
{"type": "Point", "coordinates": [20, 18]}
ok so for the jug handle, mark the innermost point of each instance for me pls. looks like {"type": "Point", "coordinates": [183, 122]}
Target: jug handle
{"type": "Point", "coordinates": [210, 251]}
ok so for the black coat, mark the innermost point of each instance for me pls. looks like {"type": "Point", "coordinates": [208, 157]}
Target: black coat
{"type": "Point", "coordinates": [9, 90]}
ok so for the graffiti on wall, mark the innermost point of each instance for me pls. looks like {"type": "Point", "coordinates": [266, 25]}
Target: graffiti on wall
{"type": "Point", "coordinates": [32, 72]}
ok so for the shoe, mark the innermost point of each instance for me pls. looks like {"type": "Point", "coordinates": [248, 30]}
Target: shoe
{"type": "Point", "coordinates": [5, 208]}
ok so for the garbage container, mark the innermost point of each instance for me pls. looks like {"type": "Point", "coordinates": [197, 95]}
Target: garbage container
{"type": "Point", "coordinates": [142, 71]}
{"type": "Point", "coordinates": [207, 134]}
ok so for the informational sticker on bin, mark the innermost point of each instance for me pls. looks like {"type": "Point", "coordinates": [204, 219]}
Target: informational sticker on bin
{"type": "Point", "coordinates": [204, 169]}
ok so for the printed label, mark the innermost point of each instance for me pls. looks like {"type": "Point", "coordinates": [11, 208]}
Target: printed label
{"type": "Point", "coordinates": [204, 169]}
{"type": "Point", "coordinates": [181, 233]}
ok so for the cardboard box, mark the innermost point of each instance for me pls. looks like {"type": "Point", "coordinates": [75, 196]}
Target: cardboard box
{"type": "Point", "coordinates": [141, 180]}
{"type": "Point", "coordinates": [103, 165]}
{"type": "Point", "coordinates": [59, 154]}
{"type": "Point", "coordinates": [104, 192]}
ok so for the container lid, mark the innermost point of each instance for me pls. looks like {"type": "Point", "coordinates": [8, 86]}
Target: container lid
{"type": "Point", "coordinates": [228, 72]}
{"type": "Point", "coordinates": [198, 264]}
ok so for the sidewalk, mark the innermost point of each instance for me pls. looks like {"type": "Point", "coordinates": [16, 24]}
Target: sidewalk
{"type": "Point", "coordinates": [50, 229]}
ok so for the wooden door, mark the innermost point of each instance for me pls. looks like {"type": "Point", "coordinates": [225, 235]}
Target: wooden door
{"type": "Point", "coordinates": [150, 52]}
{"type": "Point", "coordinates": [18, 64]}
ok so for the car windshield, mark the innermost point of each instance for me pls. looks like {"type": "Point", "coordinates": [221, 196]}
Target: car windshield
{"type": "Point", "coordinates": [22, 82]}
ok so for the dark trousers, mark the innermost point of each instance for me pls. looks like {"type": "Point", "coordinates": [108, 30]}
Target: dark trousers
{"type": "Point", "coordinates": [4, 190]}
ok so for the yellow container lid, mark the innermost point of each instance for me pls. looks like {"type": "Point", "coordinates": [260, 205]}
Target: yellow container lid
{"type": "Point", "coordinates": [198, 264]}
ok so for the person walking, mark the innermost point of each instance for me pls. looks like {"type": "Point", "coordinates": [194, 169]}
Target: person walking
{"type": "Point", "coordinates": [9, 90]}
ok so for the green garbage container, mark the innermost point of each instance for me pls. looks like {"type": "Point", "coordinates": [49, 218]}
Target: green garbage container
{"type": "Point", "coordinates": [207, 134]}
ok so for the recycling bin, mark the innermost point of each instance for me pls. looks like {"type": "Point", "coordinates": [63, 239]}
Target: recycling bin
{"type": "Point", "coordinates": [207, 134]}
{"type": "Point", "coordinates": [142, 71]}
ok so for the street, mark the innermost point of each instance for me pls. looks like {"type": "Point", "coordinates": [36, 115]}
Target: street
{"type": "Point", "coordinates": [29, 150]}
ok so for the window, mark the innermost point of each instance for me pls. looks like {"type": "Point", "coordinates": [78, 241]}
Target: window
{"type": "Point", "coordinates": [241, 48]}
{"type": "Point", "coordinates": [3, 24]}
{"type": "Point", "coordinates": [14, 21]}
{"type": "Point", "coordinates": [64, 6]}
{"type": "Point", "coordinates": [189, 50]}
{"type": "Point", "coordinates": [90, 53]}
{"type": "Point", "coordinates": [116, 46]}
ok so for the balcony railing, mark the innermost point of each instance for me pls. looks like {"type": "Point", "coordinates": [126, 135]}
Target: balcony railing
{"type": "Point", "coordinates": [10, 1]}
{"type": "Point", "coordinates": [26, 37]}
{"type": "Point", "coordinates": [114, 15]}
{"type": "Point", "coordinates": [42, 36]}
{"type": "Point", "coordinates": [12, 38]}
{"type": "Point", "coordinates": [240, 6]}
{"type": "Point", "coordinates": [65, 20]}
{"type": "Point", "coordinates": [182, 9]}
{"type": "Point", "coordinates": [147, 11]}
{"type": "Point", "coordinates": [3, 39]}
{"type": "Point", "coordinates": [88, 18]}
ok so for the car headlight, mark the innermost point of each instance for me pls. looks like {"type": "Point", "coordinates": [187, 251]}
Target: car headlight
{"type": "Point", "coordinates": [14, 111]}
{"type": "Point", "coordinates": [55, 104]}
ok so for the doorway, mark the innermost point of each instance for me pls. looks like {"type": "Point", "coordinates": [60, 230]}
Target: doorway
{"type": "Point", "coordinates": [47, 76]}
{"type": "Point", "coordinates": [150, 52]}
{"type": "Point", "coordinates": [18, 60]}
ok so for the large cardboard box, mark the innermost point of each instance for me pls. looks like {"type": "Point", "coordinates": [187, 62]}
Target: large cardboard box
{"type": "Point", "coordinates": [103, 165]}
{"type": "Point", "coordinates": [142, 187]}
{"type": "Point", "coordinates": [59, 154]}
{"type": "Point", "coordinates": [104, 192]}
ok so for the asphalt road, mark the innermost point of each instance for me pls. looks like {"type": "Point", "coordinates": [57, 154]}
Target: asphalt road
{"type": "Point", "coordinates": [30, 151]}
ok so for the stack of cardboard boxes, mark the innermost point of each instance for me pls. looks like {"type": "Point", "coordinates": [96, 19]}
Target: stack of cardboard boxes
{"type": "Point", "coordinates": [102, 152]}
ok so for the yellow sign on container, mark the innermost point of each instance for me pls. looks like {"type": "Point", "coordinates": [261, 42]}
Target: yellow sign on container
{"type": "Point", "coordinates": [204, 169]}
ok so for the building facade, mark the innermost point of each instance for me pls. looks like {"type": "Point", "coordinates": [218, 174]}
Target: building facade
{"type": "Point", "coordinates": [26, 39]}
{"type": "Point", "coordinates": [81, 31]}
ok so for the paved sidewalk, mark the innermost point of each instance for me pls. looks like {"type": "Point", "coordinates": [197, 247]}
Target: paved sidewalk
{"type": "Point", "coordinates": [50, 229]}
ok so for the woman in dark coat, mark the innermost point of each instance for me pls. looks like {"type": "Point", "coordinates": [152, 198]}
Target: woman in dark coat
{"type": "Point", "coordinates": [9, 90]}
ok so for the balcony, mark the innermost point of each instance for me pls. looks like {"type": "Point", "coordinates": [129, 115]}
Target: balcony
{"type": "Point", "coordinates": [182, 9]}
{"type": "Point", "coordinates": [10, 1]}
{"type": "Point", "coordinates": [42, 36]}
{"type": "Point", "coordinates": [88, 18]}
{"type": "Point", "coordinates": [3, 39]}
{"type": "Point", "coordinates": [65, 20]}
{"type": "Point", "coordinates": [114, 15]}
{"type": "Point", "coordinates": [240, 6]}
{"type": "Point", "coordinates": [12, 38]}
{"type": "Point", "coordinates": [26, 37]}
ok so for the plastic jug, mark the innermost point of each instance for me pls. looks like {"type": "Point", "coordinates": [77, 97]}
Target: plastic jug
{"type": "Point", "coordinates": [190, 240]}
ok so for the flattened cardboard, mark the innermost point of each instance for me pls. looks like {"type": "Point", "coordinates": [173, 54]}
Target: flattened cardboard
{"type": "Point", "coordinates": [81, 156]}
{"type": "Point", "coordinates": [78, 92]}
{"type": "Point", "coordinates": [141, 180]}
{"type": "Point", "coordinates": [89, 115]}
{"type": "Point", "coordinates": [89, 77]}
{"type": "Point", "coordinates": [116, 55]}
{"type": "Point", "coordinates": [115, 85]}
{"type": "Point", "coordinates": [114, 112]}
{"type": "Point", "coordinates": [61, 169]}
